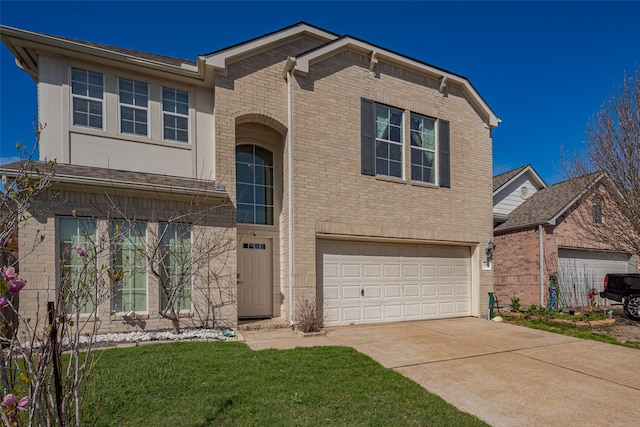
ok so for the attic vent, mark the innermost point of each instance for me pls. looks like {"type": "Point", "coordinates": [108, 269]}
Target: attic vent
{"type": "Point", "coordinates": [524, 192]}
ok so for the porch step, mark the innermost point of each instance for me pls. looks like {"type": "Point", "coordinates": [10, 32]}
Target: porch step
{"type": "Point", "coordinates": [257, 324]}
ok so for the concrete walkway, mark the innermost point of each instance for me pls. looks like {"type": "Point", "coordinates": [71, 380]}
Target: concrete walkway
{"type": "Point", "coordinates": [504, 374]}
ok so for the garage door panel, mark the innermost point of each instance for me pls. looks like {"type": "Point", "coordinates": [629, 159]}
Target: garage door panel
{"type": "Point", "coordinates": [399, 282]}
{"type": "Point", "coordinates": [372, 291]}
{"type": "Point", "coordinates": [412, 311]}
{"type": "Point", "coordinates": [411, 290]}
{"type": "Point", "coordinates": [350, 292]}
{"type": "Point", "coordinates": [446, 308]}
{"type": "Point", "coordinates": [446, 290]}
{"type": "Point", "coordinates": [350, 271]}
{"type": "Point", "coordinates": [372, 271]}
{"type": "Point", "coordinates": [393, 291]}
{"type": "Point", "coordinates": [393, 312]}
{"type": "Point", "coordinates": [410, 271]}
{"type": "Point", "coordinates": [373, 313]}
{"type": "Point", "coordinates": [429, 290]}
{"type": "Point", "coordinates": [429, 271]}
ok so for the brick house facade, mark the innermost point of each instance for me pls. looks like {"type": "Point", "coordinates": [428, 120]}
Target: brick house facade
{"type": "Point", "coordinates": [550, 222]}
{"type": "Point", "coordinates": [355, 176]}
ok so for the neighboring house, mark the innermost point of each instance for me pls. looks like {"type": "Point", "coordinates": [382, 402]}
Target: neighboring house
{"type": "Point", "coordinates": [511, 189]}
{"type": "Point", "coordinates": [347, 173]}
{"type": "Point", "coordinates": [544, 226]}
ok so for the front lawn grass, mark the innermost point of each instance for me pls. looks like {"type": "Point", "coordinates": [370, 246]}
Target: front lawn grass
{"type": "Point", "coordinates": [559, 328]}
{"type": "Point", "coordinates": [227, 384]}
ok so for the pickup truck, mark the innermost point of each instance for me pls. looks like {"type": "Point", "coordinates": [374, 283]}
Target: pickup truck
{"type": "Point", "coordinates": [624, 288]}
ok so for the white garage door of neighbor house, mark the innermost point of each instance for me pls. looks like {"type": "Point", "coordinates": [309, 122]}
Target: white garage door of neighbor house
{"type": "Point", "coordinates": [580, 270]}
{"type": "Point", "coordinates": [375, 282]}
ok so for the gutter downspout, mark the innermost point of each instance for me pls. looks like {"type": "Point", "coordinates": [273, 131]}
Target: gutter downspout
{"type": "Point", "coordinates": [541, 258]}
{"type": "Point", "coordinates": [290, 191]}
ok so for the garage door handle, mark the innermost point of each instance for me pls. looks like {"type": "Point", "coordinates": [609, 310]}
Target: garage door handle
{"type": "Point", "coordinates": [361, 292]}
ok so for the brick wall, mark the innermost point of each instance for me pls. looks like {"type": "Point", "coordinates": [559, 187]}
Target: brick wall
{"type": "Point", "coordinates": [330, 193]}
{"type": "Point", "coordinates": [213, 294]}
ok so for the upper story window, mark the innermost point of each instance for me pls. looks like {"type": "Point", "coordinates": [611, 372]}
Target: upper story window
{"type": "Point", "coordinates": [134, 107]}
{"type": "Point", "coordinates": [175, 114]}
{"type": "Point", "coordinates": [388, 141]}
{"type": "Point", "coordinates": [254, 185]}
{"type": "Point", "coordinates": [87, 93]}
{"type": "Point", "coordinates": [382, 148]}
{"type": "Point", "coordinates": [597, 213]}
{"type": "Point", "coordinates": [423, 149]}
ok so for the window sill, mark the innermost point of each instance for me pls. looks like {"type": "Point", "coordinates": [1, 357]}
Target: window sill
{"type": "Point", "coordinates": [424, 184]}
{"type": "Point", "coordinates": [123, 316]}
{"type": "Point", "coordinates": [390, 179]}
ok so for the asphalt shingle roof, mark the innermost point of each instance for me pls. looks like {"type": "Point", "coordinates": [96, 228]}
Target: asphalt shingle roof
{"type": "Point", "coordinates": [500, 180]}
{"type": "Point", "coordinates": [122, 179]}
{"type": "Point", "coordinates": [546, 203]}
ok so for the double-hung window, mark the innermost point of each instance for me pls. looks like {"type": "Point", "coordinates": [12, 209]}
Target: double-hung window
{"type": "Point", "coordinates": [388, 141]}
{"type": "Point", "coordinates": [175, 114]}
{"type": "Point", "coordinates": [87, 98]}
{"type": "Point", "coordinates": [175, 266]}
{"type": "Point", "coordinates": [129, 267]}
{"type": "Point", "coordinates": [134, 107]}
{"type": "Point", "coordinates": [78, 276]}
{"type": "Point", "coordinates": [423, 149]}
{"type": "Point", "coordinates": [382, 147]}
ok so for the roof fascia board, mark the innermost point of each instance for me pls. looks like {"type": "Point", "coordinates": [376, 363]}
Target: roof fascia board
{"type": "Point", "coordinates": [221, 59]}
{"type": "Point", "coordinates": [305, 60]}
{"type": "Point", "coordinates": [522, 226]}
{"type": "Point", "coordinates": [529, 168]}
{"type": "Point", "coordinates": [41, 42]}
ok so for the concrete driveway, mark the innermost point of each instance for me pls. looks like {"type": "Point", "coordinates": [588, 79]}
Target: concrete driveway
{"type": "Point", "coordinates": [504, 374]}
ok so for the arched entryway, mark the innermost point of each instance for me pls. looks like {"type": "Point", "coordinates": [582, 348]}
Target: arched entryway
{"type": "Point", "coordinates": [258, 206]}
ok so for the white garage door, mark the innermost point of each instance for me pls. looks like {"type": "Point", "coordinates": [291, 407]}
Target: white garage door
{"type": "Point", "coordinates": [580, 270]}
{"type": "Point", "coordinates": [369, 282]}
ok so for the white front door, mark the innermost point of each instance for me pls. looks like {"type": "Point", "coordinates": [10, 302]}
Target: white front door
{"type": "Point", "coordinates": [255, 278]}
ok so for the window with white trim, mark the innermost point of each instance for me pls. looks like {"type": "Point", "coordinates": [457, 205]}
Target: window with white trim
{"type": "Point", "coordinates": [134, 107]}
{"type": "Point", "coordinates": [77, 255]}
{"type": "Point", "coordinates": [175, 115]}
{"type": "Point", "coordinates": [129, 265]}
{"type": "Point", "coordinates": [87, 98]}
{"type": "Point", "coordinates": [389, 141]}
{"type": "Point", "coordinates": [175, 266]}
{"type": "Point", "coordinates": [423, 149]}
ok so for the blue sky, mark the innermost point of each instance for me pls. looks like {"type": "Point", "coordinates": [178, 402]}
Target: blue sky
{"type": "Point", "coordinates": [544, 67]}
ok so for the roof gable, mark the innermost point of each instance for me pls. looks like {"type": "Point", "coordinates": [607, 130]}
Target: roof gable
{"type": "Point", "coordinates": [501, 181]}
{"type": "Point", "coordinates": [302, 62]}
{"type": "Point", "coordinates": [221, 58]}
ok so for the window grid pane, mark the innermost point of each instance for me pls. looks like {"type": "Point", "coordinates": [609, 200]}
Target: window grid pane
{"type": "Point", "coordinates": [254, 185]}
{"type": "Point", "coordinates": [87, 89]}
{"type": "Point", "coordinates": [129, 260]}
{"type": "Point", "coordinates": [175, 107]}
{"type": "Point", "coordinates": [134, 102]}
{"type": "Point", "coordinates": [176, 264]}
{"type": "Point", "coordinates": [76, 270]}
{"type": "Point", "coordinates": [389, 141]}
{"type": "Point", "coordinates": [423, 149]}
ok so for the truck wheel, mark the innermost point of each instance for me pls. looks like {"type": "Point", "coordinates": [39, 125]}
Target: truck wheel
{"type": "Point", "coordinates": [632, 307]}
